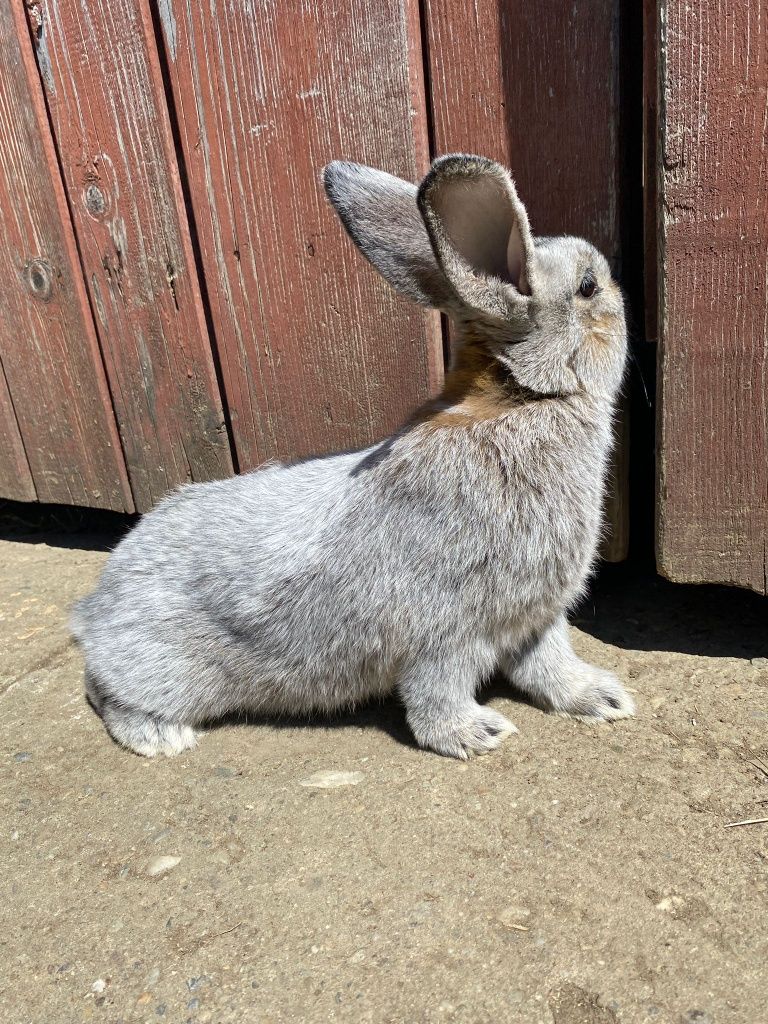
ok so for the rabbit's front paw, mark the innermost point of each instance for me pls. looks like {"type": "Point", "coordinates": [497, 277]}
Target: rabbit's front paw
{"type": "Point", "coordinates": [475, 731]}
{"type": "Point", "coordinates": [600, 698]}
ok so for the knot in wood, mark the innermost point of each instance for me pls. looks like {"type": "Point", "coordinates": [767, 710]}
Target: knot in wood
{"type": "Point", "coordinates": [95, 201]}
{"type": "Point", "coordinates": [38, 277]}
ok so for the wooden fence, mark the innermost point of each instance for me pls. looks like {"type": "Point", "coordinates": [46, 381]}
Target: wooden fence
{"type": "Point", "coordinates": [177, 302]}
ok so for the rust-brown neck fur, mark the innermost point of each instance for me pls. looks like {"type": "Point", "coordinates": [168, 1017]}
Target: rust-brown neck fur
{"type": "Point", "coordinates": [477, 389]}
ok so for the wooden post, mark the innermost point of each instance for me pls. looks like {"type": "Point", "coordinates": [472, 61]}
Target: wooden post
{"type": "Point", "coordinates": [713, 360]}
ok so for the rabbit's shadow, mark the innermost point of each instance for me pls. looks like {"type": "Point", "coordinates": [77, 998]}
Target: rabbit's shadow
{"type": "Point", "coordinates": [384, 715]}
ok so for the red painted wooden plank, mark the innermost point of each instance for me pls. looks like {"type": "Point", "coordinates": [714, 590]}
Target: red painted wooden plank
{"type": "Point", "coordinates": [15, 478]}
{"type": "Point", "coordinates": [316, 352]}
{"type": "Point", "coordinates": [110, 122]}
{"type": "Point", "coordinates": [50, 353]}
{"type": "Point", "coordinates": [650, 166]}
{"type": "Point", "coordinates": [713, 168]}
{"type": "Point", "coordinates": [536, 86]}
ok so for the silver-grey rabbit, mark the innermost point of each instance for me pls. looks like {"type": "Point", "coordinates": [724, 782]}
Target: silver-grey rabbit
{"type": "Point", "coordinates": [422, 564]}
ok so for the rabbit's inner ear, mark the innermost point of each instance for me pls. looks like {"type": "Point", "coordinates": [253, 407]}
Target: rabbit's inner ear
{"type": "Point", "coordinates": [478, 221]}
{"type": "Point", "coordinates": [516, 260]}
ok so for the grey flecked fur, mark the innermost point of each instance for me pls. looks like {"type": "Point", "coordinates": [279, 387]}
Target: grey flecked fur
{"type": "Point", "coordinates": [421, 564]}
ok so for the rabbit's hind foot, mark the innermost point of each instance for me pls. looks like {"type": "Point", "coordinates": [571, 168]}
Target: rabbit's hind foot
{"type": "Point", "coordinates": [146, 734]}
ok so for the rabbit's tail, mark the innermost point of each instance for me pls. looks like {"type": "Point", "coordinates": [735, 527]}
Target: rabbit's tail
{"type": "Point", "coordinates": [78, 619]}
{"type": "Point", "coordinates": [78, 627]}
{"type": "Point", "coordinates": [94, 693]}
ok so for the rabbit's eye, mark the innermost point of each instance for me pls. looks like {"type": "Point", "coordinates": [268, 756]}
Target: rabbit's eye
{"type": "Point", "coordinates": [588, 286]}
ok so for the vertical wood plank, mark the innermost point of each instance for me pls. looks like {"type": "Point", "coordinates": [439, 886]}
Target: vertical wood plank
{"type": "Point", "coordinates": [536, 87]}
{"type": "Point", "coordinates": [650, 166]}
{"type": "Point", "coordinates": [713, 368]}
{"type": "Point", "coordinates": [15, 476]}
{"type": "Point", "coordinates": [50, 353]}
{"type": "Point", "coordinates": [316, 353]}
{"type": "Point", "coordinates": [108, 111]}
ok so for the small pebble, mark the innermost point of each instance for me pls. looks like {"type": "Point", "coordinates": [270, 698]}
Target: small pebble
{"type": "Point", "coordinates": [670, 904]}
{"type": "Point", "coordinates": [160, 865]}
{"type": "Point", "coordinates": [700, 793]}
{"type": "Point", "coordinates": [332, 779]}
{"type": "Point", "coordinates": [515, 918]}
{"type": "Point", "coordinates": [22, 756]}
{"type": "Point", "coordinates": [99, 985]}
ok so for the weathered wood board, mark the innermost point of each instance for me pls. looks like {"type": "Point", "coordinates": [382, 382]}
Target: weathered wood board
{"type": "Point", "coordinates": [651, 211]}
{"type": "Point", "coordinates": [102, 77]}
{"type": "Point", "coordinates": [50, 354]}
{"type": "Point", "coordinates": [15, 477]}
{"type": "Point", "coordinates": [316, 353]}
{"type": "Point", "coordinates": [713, 366]}
{"type": "Point", "coordinates": [536, 86]}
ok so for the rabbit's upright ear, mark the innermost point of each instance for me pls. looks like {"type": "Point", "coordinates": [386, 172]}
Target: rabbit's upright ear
{"type": "Point", "coordinates": [479, 231]}
{"type": "Point", "coordinates": [382, 217]}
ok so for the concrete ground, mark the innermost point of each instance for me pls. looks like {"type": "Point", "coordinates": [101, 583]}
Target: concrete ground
{"type": "Point", "coordinates": [580, 875]}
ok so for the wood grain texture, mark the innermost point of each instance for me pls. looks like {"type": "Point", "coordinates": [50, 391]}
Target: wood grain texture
{"type": "Point", "coordinates": [316, 353]}
{"type": "Point", "coordinates": [50, 353]}
{"type": "Point", "coordinates": [650, 166]}
{"type": "Point", "coordinates": [713, 369]}
{"type": "Point", "coordinates": [536, 87]}
{"type": "Point", "coordinates": [106, 97]}
{"type": "Point", "coordinates": [15, 477]}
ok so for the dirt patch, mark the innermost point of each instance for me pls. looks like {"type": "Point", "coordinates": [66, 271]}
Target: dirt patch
{"type": "Point", "coordinates": [580, 875]}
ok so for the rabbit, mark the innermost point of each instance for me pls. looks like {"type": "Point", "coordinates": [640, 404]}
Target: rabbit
{"type": "Point", "coordinates": [422, 564]}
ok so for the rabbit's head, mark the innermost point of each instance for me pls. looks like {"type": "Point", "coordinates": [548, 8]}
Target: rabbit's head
{"type": "Point", "coordinates": [546, 308]}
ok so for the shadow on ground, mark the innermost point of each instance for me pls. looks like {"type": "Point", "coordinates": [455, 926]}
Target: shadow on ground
{"type": "Point", "coordinates": [635, 609]}
{"type": "Point", "coordinates": [63, 526]}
